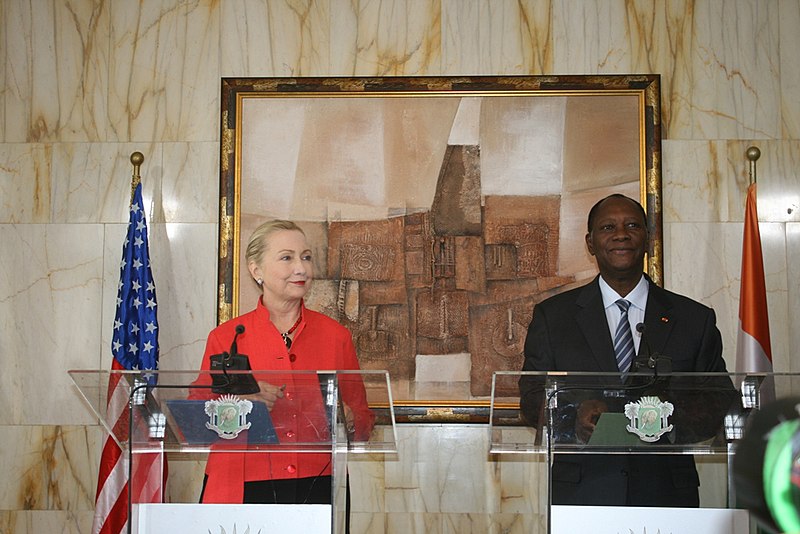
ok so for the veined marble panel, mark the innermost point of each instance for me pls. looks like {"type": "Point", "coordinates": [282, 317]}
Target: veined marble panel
{"type": "Point", "coordinates": [594, 37]}
{"type": "Point", "coordinates": [92, 181]}
{"type": "Point", "coordinates": [50, 521]}
{"type": "Point", "coordinates": [517, 36]}
{"type": "Point", "coordinates": [3, 63]}
{"type": "Point", "coordinates": [706, 181]}
{"type": "Point", "coordinates": [468, 485]}
{"type": "Point", "coordinates": [368, 481]}
{"type": "Point", "coordinates": [376, 38]}
{"type": "Point", "coordinates": [443, 480]}
{"type": "Point", "coordinates": [434, 523]}
{"type": "Point", "coordinates": [183, 258]}
{"type": "Point", "coordinates": [789, 21]}
{"type": "Point", "coordinates": [778, 177]}
{"type": "Point", "coordinates": [49, 467]}
{"type": "Point", "coordinates": [446, 468]}
{"type": "Point", "coordinates": [164, 71]}
{"type": "Point", "coordinates": [461, 42]}
{"type": "Point", "coordinates": [189, 191]}
{"type": "Point", "coordinates": [50, 313]}
{"type": "Point", "coordinates": [406, 478]}
{"type": "Point", "coordinates": [275, 38]}
{"type": "Point", "coordinates": [447, 464]}
{"type": "Point", "coordinates": [185, 480]}
{"type": "Point", "coordinates": [705, 264]}
{"type": "Point", "coordinates": [694, 182]}
{"type": "Point", "coordinates": [477, 523]}
{"type": "Point", "coordinates": [25, 179]}
{"type": "Point", "coordinates": [735, 86]}
{"type": "Point", "coordinates": [416, 523]}
{"type": "Point", "coordinates": [28, 52]}
{"type": "Point", "coordinates": [721, 78]}
{"type": "Point", "coordinates": [713, 472]}
{"type": "Point", "coordinates": [496, 37]}
{"type": "Point", "coordinates": [57, 54]}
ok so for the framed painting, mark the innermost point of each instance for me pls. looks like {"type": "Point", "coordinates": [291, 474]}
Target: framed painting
{"type": "Point", "coordinates": [439, 209]}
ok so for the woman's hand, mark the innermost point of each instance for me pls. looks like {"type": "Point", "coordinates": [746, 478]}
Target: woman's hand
{"type": "Point", "coordinates": [269, 394]}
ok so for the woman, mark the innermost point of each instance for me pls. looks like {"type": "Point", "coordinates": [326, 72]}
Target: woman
{"type": "Point", "coordinates": [281, 334]}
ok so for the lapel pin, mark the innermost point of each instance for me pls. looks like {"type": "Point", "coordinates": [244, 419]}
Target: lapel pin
{"type": "Point", "coordinates": [665, 319]}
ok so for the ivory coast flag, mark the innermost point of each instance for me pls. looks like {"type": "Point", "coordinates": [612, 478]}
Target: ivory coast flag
{"type": "Point", "coordinates": [753, 350]}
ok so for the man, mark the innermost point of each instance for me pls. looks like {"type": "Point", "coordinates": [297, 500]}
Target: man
{"type": "Point", "coordinates": [576, 331]}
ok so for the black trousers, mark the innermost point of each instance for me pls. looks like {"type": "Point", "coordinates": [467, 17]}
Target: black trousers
{"type": "Point", "coordinates": [312, 490]}
{"type": "Point", "coordinates": [625, 480]}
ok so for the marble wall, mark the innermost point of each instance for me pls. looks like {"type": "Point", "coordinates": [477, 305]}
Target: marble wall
{"type": "Point", "coordinates": [87, 82]}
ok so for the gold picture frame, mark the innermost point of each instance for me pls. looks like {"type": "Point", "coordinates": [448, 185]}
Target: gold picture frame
{"type": "Point", "coordinates": [440, 209]}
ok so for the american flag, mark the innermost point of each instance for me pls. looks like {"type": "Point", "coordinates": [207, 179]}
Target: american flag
{"type": "Point", "coordinates": [134, 346]}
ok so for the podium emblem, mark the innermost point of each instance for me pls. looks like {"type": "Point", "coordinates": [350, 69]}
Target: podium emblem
{"type": "Point", "coordinates": [649, 418]}
{"type": "Point", "coordinates": [228, 415]}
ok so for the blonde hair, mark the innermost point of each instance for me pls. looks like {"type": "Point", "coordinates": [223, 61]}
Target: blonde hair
{"type": "Point", "coordinates": [258, 242]}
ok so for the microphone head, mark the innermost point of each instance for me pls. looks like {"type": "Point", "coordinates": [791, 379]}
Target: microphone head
{"type": "Point", "coordinates": [640, 328]}
{"type": "Point", "coordinates": [239, 329]}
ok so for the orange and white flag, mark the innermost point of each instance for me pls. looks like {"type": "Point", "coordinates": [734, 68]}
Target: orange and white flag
{"type": "Point", "coordinates": [753, 350]}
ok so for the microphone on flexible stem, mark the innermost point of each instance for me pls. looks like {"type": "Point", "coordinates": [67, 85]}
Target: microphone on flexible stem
{"type": "Point", "coordinates": [234, 348]}
{"type": "Point", "coordinates": [229, 383]}
{"type": "Point", "coordinates": [639, 364]}
{"type": "Point", "coordinates": [228, 357]}
{"type": "Point", "coordinates": [652, 359]}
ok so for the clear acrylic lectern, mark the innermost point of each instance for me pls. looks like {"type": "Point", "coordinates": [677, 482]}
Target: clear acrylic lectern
{"type": "Point", "coordinates": [153, 415]}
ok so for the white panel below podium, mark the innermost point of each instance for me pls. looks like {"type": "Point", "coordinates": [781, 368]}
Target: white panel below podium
{"type": "Point", "coordinates": [229, 518]}
{"type": "Point", "coordinates": [636, 520]}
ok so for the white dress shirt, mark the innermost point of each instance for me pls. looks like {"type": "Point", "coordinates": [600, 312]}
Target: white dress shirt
{"type": "Point", "coordinates": [638, 299]}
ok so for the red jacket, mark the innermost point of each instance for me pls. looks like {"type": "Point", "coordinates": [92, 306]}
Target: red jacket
{"type": "Point", "coordinates": [320, 343]}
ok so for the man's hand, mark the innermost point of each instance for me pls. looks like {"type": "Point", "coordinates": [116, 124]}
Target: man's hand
{"type": "Point", "coordinates": [588, 413]}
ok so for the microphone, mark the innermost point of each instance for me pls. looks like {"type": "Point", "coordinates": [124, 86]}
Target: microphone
{"type": "Point", "coordinates": [229, 357]}
{"type": "Point", "coordinates": [651, 360]}
{"type": "Point", "coordinates": [234, 348]}
{"type": "Point", "coordinates": [236, 384]}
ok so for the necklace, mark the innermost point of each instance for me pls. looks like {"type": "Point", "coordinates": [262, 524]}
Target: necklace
{"type": "Point", "coordinates": [285, 335]}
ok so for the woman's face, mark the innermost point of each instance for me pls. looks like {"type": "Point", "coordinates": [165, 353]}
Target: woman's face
{"type": "Point", "coordinates": [286, 266]}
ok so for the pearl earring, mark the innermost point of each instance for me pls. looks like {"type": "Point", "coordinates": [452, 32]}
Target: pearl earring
{"type": "Point", "coordinates": [259, 281]}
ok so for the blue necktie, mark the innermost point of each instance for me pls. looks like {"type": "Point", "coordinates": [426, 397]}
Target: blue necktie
{"type": "Point", "coordinates": [623, 339]}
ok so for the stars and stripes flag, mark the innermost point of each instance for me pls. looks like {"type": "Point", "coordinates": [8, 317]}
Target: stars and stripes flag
{"type": "Point", "coordinates": [134, 346]}
{"type": "Point", "coordinates": [753, 350]}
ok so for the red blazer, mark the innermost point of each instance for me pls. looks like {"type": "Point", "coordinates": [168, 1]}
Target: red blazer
{"type": "Point", "coordinates": [320, 343]}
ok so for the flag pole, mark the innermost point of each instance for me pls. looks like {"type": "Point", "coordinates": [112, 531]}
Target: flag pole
{"type": "Point", "coordinates": [137, 158]}
{"type": "Point", "coordinates": [753, 153]}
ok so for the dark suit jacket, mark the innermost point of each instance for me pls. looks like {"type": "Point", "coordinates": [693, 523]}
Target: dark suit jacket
{"type": "Point", "coordinates": [569, 332]}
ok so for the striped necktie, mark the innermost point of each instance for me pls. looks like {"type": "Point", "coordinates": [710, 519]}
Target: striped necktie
{"type": "Point", "coordinates": [623, 339]}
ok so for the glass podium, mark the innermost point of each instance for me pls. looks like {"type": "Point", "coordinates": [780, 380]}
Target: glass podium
{"type": "Point", "coordinates": [207, 414]}
{"type": "Point", "coordinates": [560, 415]}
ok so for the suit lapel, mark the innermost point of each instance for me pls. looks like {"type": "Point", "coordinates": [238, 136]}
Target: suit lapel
{"type": "Point", "coordinates": [591, 319]}
{"type": "Point", "coordinates": [657, 319]}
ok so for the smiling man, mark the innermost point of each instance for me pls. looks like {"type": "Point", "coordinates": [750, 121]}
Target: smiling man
{"type": "Point", "coordinates": [598, 328]}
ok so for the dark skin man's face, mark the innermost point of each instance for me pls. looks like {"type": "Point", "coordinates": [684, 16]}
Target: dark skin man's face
{"type": "Point", "coordinates": [618, 240]}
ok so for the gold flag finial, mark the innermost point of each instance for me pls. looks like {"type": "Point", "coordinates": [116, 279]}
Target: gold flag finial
{"type": "Point", "coordinates": [137, 158]}
{"type": "Point", "coordinates": [753, 153]}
